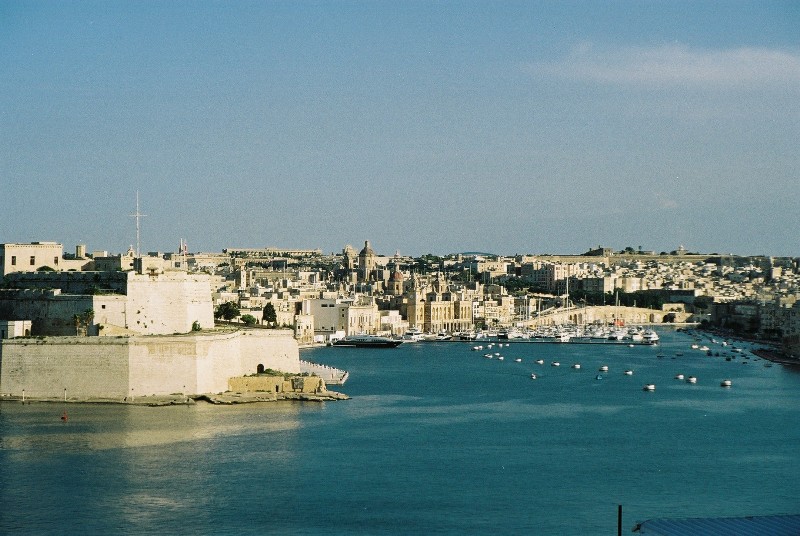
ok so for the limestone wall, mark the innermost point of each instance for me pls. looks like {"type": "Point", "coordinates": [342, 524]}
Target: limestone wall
{"type": "Point", "coordinates": [168, 303]}
{"type": "Point", "coordinates": [606, 314]}
{"type": "Point", "coordinates": [275, 349]}
{"type": "Point", "coordinates": [84, 366]}
{"type": "Point", "coordinates": [119, 367]}
{"type": "Point", "coordinates": [276, 384]}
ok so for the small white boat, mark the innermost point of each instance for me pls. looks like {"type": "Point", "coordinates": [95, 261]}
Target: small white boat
{"type": "Point", "coordinates": [500, 358]}
{"type": "Point", "coordinates": [691, 379]}
{"type": "Point", "coordinates": [725, 383]}
{"type": "Point", "coordinates": [604, 368]}
{"type": "Point", "coordinates": [628, 373]}
{"type": "Point", "coordinates": [630, 346]}
{"type": "Point", "coordinates": [695, 346]}
{"type": "Point", "coordinates": [576, 366]}
{"type": "Point", "coordinates": [555, 364]}
{"type": "Point", "coordinates": [540, 361]}
{"type": "Point", "coordinates": [518, 360]}
{"type": "Point", "coordinates": [649, 387]}
{"type": "Point", "coordinates": [477, 347]}
{"type": "Point", "coordinates": [533, 376]}
{"type": "Point", "coordinates": [679, 376]}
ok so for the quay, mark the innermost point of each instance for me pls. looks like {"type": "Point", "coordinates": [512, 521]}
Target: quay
{"type": "Point", "coordinates": [330, 375]}
{"type": "Point", "coordinates": [775, 357]}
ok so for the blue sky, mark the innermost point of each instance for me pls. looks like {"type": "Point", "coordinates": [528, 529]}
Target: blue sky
{"type": "Point", "coordinates": [424, 127]}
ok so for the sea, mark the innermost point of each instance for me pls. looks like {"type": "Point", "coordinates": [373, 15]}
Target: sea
{"type": "Point", "coordinates": [437, 438]}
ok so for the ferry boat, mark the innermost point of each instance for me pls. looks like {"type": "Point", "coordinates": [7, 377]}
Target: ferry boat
{"type": "Point", "coordinates": [367, 341]}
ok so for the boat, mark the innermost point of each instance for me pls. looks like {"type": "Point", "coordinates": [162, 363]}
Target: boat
{"type": "Point", "coordinates": [725, 383]}
{"type": "Point", "coordinates": [650, 337]}
{"type": "Point", "coordinates": [576, 366]}
{"type": "Point", "coordinates": [603, 368]}
{"type": "Point", "coordinates": [367, 341]}
{"type": "Point", "coordinates": [628, 373]}
{"type": "Point", "coordinates": [649, 387]}
{"type": "Point", "coordinates": [413, 334]}
{"type": "Point", "coordinates": [691, 379]}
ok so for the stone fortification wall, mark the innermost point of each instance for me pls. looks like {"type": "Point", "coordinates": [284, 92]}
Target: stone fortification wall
{"type": "Point", "coordinates": [277, 384]}
{"type": "Point", "coordinates": [51, 313]}
{"type": "Point", "coordinates": [72, 282]}
{"type": "Point", "coordinates": [45, 367]}
{"type": "Point", "coordinates": [275, 349]}
{"type": "Point", "coordinates": [148, 304]}
{"type": "Point", "coordinates": [607, 314]}
{"type": "Point", "coordinates": [168, 303]}
{"type": "Point", "coordinates": [120, 367]}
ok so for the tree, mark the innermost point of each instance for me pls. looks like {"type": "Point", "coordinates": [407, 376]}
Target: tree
{"type": "Point", "coordinates": [227, 310]}
{"type": "Point", "coordinates": [249, 319]}
{"type": "Point", "coordinates": [83, 321]}
{"type": "Point", "coordinates": [270, 316]}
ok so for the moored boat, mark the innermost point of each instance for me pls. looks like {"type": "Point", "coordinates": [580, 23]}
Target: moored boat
{"type": "Point", "coordinates": [367, 341]}
{"type": "Point", "coordinates": [650, 337]}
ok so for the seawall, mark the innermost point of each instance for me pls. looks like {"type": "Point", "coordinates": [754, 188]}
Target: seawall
{"type": "Point", "coordinates": [122, 367]}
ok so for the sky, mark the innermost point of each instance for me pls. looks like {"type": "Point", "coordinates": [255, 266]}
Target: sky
{"type": "Point", "coordinates": [508, 127]}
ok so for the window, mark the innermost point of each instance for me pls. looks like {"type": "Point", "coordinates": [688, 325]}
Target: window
{"type": "Point", "coordinates": [33, 260]}
{"type": "Point", "coordinates": [13, 260]}
{"type": "Point", "coordinates": [55, 261]}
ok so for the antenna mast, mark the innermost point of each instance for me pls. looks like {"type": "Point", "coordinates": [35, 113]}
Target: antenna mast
{"type": "Point", "coordinates": [138, 216]}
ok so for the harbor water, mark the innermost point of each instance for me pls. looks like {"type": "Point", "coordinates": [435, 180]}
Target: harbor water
{"type": "Point", "coordinates": [437, 439]}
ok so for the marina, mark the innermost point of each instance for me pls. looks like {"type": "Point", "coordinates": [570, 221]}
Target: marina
{"type": "Point", "coordinates": [559, 333]}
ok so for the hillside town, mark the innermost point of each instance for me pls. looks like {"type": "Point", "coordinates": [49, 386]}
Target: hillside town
{"type": "Point", "coordinates": [320, 297]}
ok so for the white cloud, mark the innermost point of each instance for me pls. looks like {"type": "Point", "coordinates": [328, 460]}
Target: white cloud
{"type": "Point", "coordinates": [746, 68]}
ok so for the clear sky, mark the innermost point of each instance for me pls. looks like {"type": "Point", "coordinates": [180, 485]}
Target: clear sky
{"type": "Point", "coordinates": [424, 127]}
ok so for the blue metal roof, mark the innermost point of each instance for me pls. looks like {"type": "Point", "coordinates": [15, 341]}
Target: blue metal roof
{"type": "Point", "coordinates": [780, 525]}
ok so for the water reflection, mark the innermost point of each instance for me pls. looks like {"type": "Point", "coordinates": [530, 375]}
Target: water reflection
{"type": "Point", "coordinates": [168, 463]}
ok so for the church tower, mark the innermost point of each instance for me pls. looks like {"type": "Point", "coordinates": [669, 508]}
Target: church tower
{"type": "Point", "coordinates": [366, 262]}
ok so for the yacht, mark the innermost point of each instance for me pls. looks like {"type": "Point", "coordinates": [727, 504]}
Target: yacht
{"type": "Point", "coordinates": [413, 335]}
{"type": "Point", "coordinates": [367, 341]}
{"type": "Point", "coordinates": [650, 337]}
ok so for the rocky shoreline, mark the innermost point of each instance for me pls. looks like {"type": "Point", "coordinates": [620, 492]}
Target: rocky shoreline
{"type": "Point", "coordinates": [226, 398]}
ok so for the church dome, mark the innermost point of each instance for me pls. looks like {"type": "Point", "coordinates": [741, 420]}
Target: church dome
{"type": "Point", "coordinates": [367, 249]}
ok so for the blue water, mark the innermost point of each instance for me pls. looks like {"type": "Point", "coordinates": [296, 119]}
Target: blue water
{"type": "Point", "coordinates": [437, 439]}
